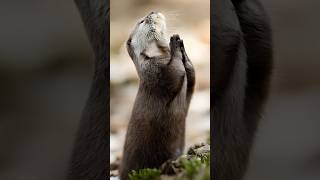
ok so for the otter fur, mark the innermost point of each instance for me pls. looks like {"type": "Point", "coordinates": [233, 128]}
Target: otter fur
{"type": "Point", "coordinates": [156, 131]}
{"type": "Point", "coordinates": [241, 68]}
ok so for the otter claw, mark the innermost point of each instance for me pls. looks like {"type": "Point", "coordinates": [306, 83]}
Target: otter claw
{"type": "Point", "coordinates": [181, 45]}
{"type": "Point", "coordinates": [175, 37]}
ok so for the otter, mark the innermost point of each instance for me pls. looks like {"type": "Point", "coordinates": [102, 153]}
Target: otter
{"type": "Point", "coordinates": [241, 67]}
{"type": "Point", "coordinates": [156, 130]}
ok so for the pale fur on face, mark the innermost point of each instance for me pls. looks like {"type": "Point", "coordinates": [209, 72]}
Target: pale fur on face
{"type": "Point", "coordinates": [150, 34]}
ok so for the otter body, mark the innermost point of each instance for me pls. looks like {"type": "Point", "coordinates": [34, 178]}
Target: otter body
{"type": "Point", "coordinates": [156, 131]}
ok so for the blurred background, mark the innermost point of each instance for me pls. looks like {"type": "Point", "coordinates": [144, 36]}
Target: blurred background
{"type": "Point", "coordinates": [46, 70]}
{"type": "Point", "coordinates": [191, 20]}
{"type": "Point", "coordinates": [288, 141]}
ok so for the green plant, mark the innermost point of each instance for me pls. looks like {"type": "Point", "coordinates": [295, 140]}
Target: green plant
{"type": "Point", "coordinates": [191, 166]}
{"type": "Point", "coordinates": [195, 165]}
{"type": "Point", "coordinates": [145, 174]}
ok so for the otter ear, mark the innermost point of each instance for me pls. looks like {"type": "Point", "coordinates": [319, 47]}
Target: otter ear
{"type": "Point", "coordinates": [154, 50]}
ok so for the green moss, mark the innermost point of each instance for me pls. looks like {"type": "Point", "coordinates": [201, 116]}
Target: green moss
{"type": "Point", "coordinates": [197, 168]}
{"type": "Point", "coordinates": [195, 165]}
{"type": "Point", "coordinates": [191, 167]}
{"type": "Point", "coordinates": [145, 174]}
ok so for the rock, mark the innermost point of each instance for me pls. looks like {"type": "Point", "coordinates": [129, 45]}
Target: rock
{"type": "Point", "coordinates": [200, 150]}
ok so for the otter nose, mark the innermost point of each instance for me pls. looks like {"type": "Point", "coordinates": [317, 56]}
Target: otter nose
{"type": "Point", "coordinates": [153, 13]}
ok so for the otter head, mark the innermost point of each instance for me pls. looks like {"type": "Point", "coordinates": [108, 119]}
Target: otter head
{"type": "Point", "coordinates": [148, 39]}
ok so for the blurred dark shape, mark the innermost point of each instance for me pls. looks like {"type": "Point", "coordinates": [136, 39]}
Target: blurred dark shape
{"type": "Point", "coordinates": [45, 74]}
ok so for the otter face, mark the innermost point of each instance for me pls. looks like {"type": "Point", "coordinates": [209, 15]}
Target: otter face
{"type": "Point", "coordinates": [149, 37]}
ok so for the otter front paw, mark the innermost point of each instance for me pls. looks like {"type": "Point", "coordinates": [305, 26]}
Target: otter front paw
{"type": "Point", "coordinates": [189, 70]}
{"type": "Point", "coordinates": [175, 47]}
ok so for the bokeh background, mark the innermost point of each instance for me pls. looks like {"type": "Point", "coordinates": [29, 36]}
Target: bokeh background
{"type": "Point", "coordinates": [46, 70]}
{"type": "Point", "coordinates": [189, 19]}
{"type": "Point", "coordinates": [288, 141]}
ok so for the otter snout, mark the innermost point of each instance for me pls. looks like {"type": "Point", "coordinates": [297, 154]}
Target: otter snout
{"type": "Point", "coordinates": [155, 17]}
{"type": "Point", "coordinates": [149, 36]}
